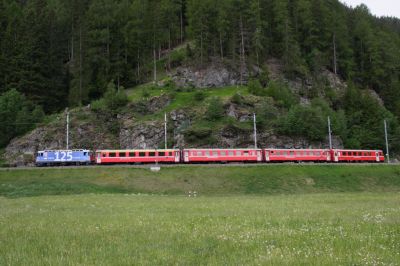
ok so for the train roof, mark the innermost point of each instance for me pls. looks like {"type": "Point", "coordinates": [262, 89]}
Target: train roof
{"type": "Point", "coordinates": [137, 150]}
{"type": "Point", "coordinates": [268, 149]}
{"type": "Point", "coordinates": [355, 150]}
{"type": "Point", "coordinates": [83, 150]}
{"type": "Point", "coordinates": [222, 149]}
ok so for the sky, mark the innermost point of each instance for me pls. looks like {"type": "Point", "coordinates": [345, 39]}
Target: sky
{"type": "Point", "coordinates": [378, 7]}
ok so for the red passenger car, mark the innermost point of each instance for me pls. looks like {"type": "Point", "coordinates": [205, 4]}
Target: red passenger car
{"type": "Point", "coordinates": [222, 155]}
{"type": "Point", "coordinates": [357, 156]}
{"type": "Point", "coordinates": [297, 155]}
{"type": "Point", "coordinates": [137, 156]}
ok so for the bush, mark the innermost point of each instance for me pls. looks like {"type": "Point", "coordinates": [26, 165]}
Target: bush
{"type": "Point", "coordinates": [199, 135]}
{"type": "Point", "coordinates": [304, 121]}
{"type": "Point", "coordinates": [215, 110]}
{"type": "Point", "coordinates": [199, 96]}
{"type": "Point", "coordinates": [267, 114]}
{"type": "Point", "coordinates": [98, 105]}
{"type": "Point", "coordinates": [112, 101]}
{"type": "Point", "coordinates": [281, 94]}
{"type": "Point", "coordinates": [255, 88]}
{"type": "Point", "coordinates": [237, 98]}
{"type": "Point", "coordinates": [17, 115]}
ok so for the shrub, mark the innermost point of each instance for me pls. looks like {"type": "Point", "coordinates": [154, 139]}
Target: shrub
{"type": "Point", "coordinates": [304, 121]}
{"type": "Point", "coordinates": [237, 98]}
{"type": "Point", "coordinates": [215, 110]}
{"type": "Point", "coordinates": [255, 88]}
{"type": "Point", "coordinates": [281, 94]}
{"type": "Point", "coordinates": [199, 96]}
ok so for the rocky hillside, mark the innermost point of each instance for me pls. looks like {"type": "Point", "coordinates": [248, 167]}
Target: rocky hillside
{"type": "Point", "coordinates": [185, 96]}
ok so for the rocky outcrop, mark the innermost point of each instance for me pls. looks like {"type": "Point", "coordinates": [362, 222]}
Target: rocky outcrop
{"type": "Point", "coordinates": [144, 135]}
{"type": "Point", "coordinates": [214, 74]}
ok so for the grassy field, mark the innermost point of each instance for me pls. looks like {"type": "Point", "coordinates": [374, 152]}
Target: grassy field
{"type": "Point", "coordinates": [251, 215]}
{"type": "Point", "coordinates": [131, 229]}
{"type": "Point", "coordinates": [207, 180]}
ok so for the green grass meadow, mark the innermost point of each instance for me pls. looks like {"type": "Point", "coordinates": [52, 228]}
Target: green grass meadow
{"type": "Point", "coordinates": [253, 215]}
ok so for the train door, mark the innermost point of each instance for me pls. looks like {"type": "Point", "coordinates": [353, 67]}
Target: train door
{"type": "Point", "coordinates": [266, 156]}
{"type": "Point", "coordinates": [328, 156]}
{"type": "Point", "coordinates": [98, 157]}
{"type": "Point", "coordinates": [177, 157]}
{"type": "Point", "coordinates": [336, 156]}
{"type": "Point", "coordinates": [186, 156]}
{"type": "Point", "coordinates": [377, 156]}
{"type": "Point", "coordinates": [259, 156]}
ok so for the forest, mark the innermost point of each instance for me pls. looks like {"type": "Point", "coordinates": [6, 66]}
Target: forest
{"type": "Point", "coordinates": [56, 54]}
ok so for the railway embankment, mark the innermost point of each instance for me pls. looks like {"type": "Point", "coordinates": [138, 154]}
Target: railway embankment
{"type": "Point", "coordinates": [205, 180]}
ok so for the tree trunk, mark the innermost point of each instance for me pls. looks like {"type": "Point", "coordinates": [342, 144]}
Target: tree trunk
{"type": "Point", "coordinates": [72, 43]}
{"type": "Point", "coordinates": [220, 46]}
{"type": "Point", "coordinates": [201, 46]}
{"type": "Point", "coordinates": [80, 65]}
{"type": "Point", "coordinates": [334, 55]}
{"type": "Point", "coordinates": [138, 65]}
{"type": "Point", "coordinates": [242, 51]}
{"type": "Point", "coordinates": [181, 15]}
{"type": "Point", "coordinates": [155, 64]}
{"type": "Point", "coordinates": [169, 49]}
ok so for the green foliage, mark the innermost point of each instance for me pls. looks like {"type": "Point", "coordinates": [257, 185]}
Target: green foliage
{"type": "Point", "coordinates": [365, 120]}
{"type": "Point", "coordinates": [303, 121]}
{"type": "Point", "coordinates": [112, 101]}
{"type": "Point", "coordinates": [199, 95]}
{"type": "Point", "coordinates": [237, 98]}
{"type": "Point", "coordinates": [281, 94]}
{"type": "Point", "coordinates": [267, 114]}
{"type": "Point", "coordinates": [17, 115]}
{"type": "Point", "coordinates": [256, 88]}
{"type": "Point", "coordinates": [215, 109]}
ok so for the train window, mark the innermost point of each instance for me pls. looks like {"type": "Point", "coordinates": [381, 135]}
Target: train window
{"type": "Point", "coordinates": [152, 154]}
{"type": "Point", "coordinates": [246, 153]}
{"type": "Point", "coordinates": [142, 154]}
{"type": "Point", "coordinates": [113, 154]}
{"type": "Point", "coordinates": [318, 153]}
{"type": "Point", "coordinates": [122, 154]}
{"type": "Point", "coordinates": [223, 153]}
{"type": "Point", "coordinates": [359, 154]}
{"type": "Point", "coordinates": [291, 153]}
{"type": "Point", "coordinates": [231, 153]}
{"type": "Point", "coordinates": [161, 153]}
{"type": "Point", "coordinates": [344, 153]}
{"type": "Point", "coordinates": [215, 153]}
{"type": "Point", "coordinates": [131, 154]}
{"type": "Point", "coordinates": [104, 155]}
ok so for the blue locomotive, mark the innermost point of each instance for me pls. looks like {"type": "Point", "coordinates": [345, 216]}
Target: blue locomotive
{"type": "Point", "coordinates": [63, 157]}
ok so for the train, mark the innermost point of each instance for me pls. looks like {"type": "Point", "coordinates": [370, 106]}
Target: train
{"type": "Point", "coordinates": [193, 156]}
